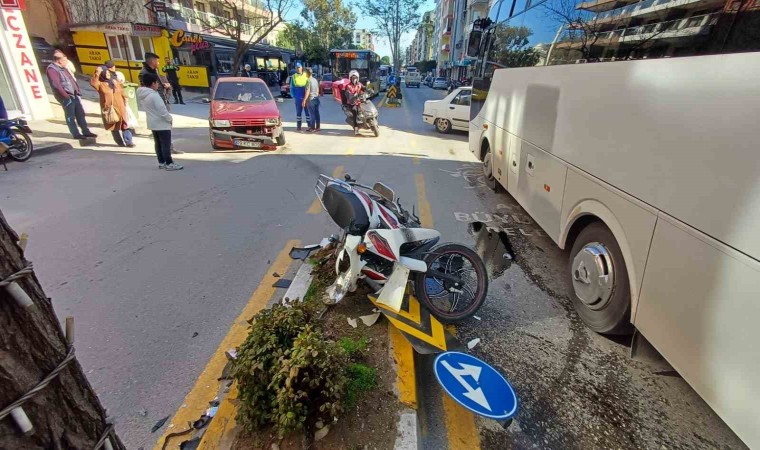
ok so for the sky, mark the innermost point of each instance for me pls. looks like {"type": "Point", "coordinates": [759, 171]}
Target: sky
{"type": "Point", "coordinates": [382, 47]}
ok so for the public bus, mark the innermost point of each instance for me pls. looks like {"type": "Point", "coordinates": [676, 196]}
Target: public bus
{"type": "Point", "coordinates": [630, 135]}
{"type": "Point", "coordinates": [366, 62]}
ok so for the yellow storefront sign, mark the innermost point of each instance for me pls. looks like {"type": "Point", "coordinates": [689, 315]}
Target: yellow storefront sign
{"type": "Point", "coordinates": [193, 76]}
{"type": "Point", "coordinates": [92, 55]}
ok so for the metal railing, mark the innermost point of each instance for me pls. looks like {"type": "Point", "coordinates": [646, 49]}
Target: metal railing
{"type": "Point", "coordinates": [660, 28]}
{"type": "Point", "coordinates": [635, 9]}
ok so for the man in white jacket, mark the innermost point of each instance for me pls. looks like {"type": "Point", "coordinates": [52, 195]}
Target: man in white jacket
{"type": "Point", "coordinates": [159, 120]}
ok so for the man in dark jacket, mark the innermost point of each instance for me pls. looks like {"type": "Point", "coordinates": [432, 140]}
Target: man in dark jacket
{"type": "Point", "coordinates": [66, 91]}
{"type": "Point", "coordinates": [151, 66]}
{"type": "Point", "coordinates": [170, 69]}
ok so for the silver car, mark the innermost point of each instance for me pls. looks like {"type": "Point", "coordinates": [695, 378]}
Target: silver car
{"type": "Point", "coordinates": [440, 83]}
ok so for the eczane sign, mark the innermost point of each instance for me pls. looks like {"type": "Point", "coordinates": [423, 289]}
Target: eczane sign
{"type": "Point", "coordinates": [19, 59]}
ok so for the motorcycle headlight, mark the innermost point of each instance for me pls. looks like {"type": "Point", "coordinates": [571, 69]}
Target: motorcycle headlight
{"type": "Point", "coordinates": [220, 123]}
{"type": "Point", "coordinates": [272, 122]}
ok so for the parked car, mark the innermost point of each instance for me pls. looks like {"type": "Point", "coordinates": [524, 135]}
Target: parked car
{"type": "Point", "coordinates": [428, 81]}
{"type": "Point", "coordinates": [42, 50]}
{"type": "Point", "coordinates": [326, 84]}
{"type": "Point", "coordinates": [453, 112]}
{"type": "Point", "coordinates": [244, 114]}
{"type": "Point", "coordinates": [285, 88]}
{"type": "Point", "coordinates": [440, 83]}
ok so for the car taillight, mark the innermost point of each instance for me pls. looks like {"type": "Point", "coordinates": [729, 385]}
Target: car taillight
{"type": "Point", "coordinates": [382, 246]}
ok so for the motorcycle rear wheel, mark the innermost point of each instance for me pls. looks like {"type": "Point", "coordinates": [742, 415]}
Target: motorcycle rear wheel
{"type": "Point", "coordinates": [21, 146]}
{"type": "Point", "coordinates": [436, 295]}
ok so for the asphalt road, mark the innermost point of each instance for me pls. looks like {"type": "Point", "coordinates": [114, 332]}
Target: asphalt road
{"type": "Point", "coordinates": [145, 259]}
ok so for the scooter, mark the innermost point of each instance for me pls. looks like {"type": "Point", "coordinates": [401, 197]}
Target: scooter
{"type": "Point", "coordinates": [14, 139]}
{"type": "Point", "coordinates": [384, 245]}
{"type": "Point", "coordinates": [366, 119]}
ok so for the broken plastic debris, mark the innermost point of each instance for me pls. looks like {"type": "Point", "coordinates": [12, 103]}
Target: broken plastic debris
{"type": "Point", "coordinates": [473, 343]}
{"type": "Point", "coordinates": [159, 424]}
{"type": "Point", "coordinates": [282, 283]}
{"type": "Point", "coordinates": [231, 354]}
{"type": "Point", "coordinates": [276, 275]}
{"type": "Point", "coordinates": [195, 333]}
{"type": "Point", "coordinates": [476, 317]}
{"type": "Point", "coordinates": [352, 322]}
{"type": "Point", "coordinates": [370, 319]}
{"type": "Point", "coordinates": [321, 433]}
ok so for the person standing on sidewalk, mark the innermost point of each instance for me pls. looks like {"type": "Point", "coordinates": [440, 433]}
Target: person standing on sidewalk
{"type": "Point", "coordinates": [66, 91]}
{"type": "Point", "coordinates": [150, 66]}
{"type": "Point", "coordinates": [298, 90]}
{"type": "Point", "coordinates": [112, 100]}
{"type": "Point", "coordinates": [311, 101]}
{"type": "Point", "coordinates": [171, 74]}
{"type": "Point", "coordinates": [159, 120]}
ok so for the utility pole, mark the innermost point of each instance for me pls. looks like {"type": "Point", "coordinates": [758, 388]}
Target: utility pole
{"type": "Point", "coordinates": [45, 398]}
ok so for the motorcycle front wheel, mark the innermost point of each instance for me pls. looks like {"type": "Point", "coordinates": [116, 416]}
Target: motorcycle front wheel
{"type": "Point", "coordinates": [20, 148]}
{"type": "Point", "coordinates": [375, 129]}
{"type": "Point", "coordinates": [448, 300]}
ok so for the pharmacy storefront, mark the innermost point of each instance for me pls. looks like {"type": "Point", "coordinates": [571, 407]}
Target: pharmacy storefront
{"type": "Point", "coordinates": [126, 44]}
{"type": "Point", "coordinates": [22, 85]}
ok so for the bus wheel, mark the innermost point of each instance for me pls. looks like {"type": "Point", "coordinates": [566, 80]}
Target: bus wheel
{"type": "Point", "coordinates": [443, 125]}
{"type": "Point", "coordinates": [601, 291]}
{"type": "Point", "coordinates": [488, 177]}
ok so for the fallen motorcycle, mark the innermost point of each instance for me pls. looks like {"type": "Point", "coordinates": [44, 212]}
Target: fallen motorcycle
{"type": "Point", "coordinates": [384, 245]}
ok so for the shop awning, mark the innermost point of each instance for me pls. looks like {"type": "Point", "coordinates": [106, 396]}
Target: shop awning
{"type": "Point", "coordinates": [110, 28]}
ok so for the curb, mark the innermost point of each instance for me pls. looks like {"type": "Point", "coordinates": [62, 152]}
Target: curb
{"type": "Point", "coordinates": [52, 148]}
{"type": "Point", "coordinates": [222, 431]}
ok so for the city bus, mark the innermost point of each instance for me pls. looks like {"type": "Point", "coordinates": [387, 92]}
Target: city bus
{"type": "Point", "coordinates": [628, 131]}
{"type": "Point", "coordinates": [366, 62]}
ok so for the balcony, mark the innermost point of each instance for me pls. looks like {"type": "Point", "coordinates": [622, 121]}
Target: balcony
{"type": "Point", "coordinates": [648, 7]}
{"type": "Point", "coordinates": [672, 29]}
{"type": "Point", "coordinates": [601, 5]}
{"type": "Point", "coordinates": [196, 21]}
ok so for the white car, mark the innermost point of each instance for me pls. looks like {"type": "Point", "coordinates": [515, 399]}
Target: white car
{"type": "Point", "coordinates": [439, 83]}
{"type": "Point", "coordinates": [453, 112]}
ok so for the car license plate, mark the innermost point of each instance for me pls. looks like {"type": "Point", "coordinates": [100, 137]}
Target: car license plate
{"type": "Point", "coordinates": [249, 144]}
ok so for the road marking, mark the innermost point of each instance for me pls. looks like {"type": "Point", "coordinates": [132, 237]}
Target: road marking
{"type": "Point", "coordinates": [416, 161]}
{"type": "Point", "coordinates": [403, 354]}
{"type": "Point", "coordinates": [316, 205]}
{"type": "Point", "coordinates": [207, 384]}
{"type": "Point", "coordinates": [350, 151]}
{"type": "Point", "coordinates": [426, 218]}
{"type": "Point", "coordinates": [461, 432]}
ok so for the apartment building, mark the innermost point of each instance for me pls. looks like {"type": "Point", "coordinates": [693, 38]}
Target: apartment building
{"type": "Point", "coordinates": [362, 38]}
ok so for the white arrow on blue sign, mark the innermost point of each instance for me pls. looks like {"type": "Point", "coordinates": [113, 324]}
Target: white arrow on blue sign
{"type": "Point", "coordinates": [475, 385]}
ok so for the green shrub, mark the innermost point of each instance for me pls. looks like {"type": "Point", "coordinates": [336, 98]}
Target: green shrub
{"type": "Point", "coordinates": [354, 348]}
{"type": "Point", "coordinates": [361, 378]}
{"type": "Point", "coordinates": [288, 376]}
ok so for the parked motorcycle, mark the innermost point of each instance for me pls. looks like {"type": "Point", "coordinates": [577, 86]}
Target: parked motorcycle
{"type": "Point", "coordinates": [14, 133]}
{"type": "Point", "coordinates": [366, 119]}
{"type": "Point", "coordinates": [384, 244]}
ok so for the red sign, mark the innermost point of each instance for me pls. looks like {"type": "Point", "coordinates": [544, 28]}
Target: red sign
{"type": "Point", "coordinates": [21, 52]}
{"type": "Point", "coordinates": [146, 30]}
{"type": "Point", "coordinates": [12, 4]}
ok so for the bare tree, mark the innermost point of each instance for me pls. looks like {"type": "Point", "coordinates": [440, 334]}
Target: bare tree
{"type": "Point", "coordinates": [393, 19]}
{"type": "Point", "coordinates": [104, 11]}
{"type": "Point", "coordinates": [245, 24]}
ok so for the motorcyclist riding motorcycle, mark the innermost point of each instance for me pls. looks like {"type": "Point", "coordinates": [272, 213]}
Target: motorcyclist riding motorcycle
{"type": "Point", "coordinates": [351, 96]}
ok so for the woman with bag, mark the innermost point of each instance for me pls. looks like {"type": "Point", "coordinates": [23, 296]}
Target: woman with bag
{"type": "Point", "coordinates": [112, 104]}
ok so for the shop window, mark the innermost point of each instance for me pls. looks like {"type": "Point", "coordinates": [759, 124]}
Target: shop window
{"type": "Point", "coordinates": [118, 47]}
{"type": "Point", "coordinates": [141, 46]}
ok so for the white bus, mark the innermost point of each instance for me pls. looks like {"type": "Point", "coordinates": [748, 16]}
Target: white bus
{"type": "Point", "coordinates": [629, 132]}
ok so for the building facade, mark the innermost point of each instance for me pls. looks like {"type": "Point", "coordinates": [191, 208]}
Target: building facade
{"type": "Point", "coordinates": [422, 43]}
{"type": "Point", "coordinates": [444, 24]}
{"type": "Point", "coordinates": [362, 38]}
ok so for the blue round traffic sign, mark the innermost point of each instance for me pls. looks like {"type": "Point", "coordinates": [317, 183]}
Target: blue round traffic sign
{"type": "Point", "coordinates": [475, 385]}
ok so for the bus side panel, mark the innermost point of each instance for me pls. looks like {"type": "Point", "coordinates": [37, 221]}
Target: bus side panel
{"type": "Point", "coordinates": [540, 186]}
{"type": "Point", "coordinates": [699, 307]}
{"type": "Point", "coordinates": [631, 223]}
